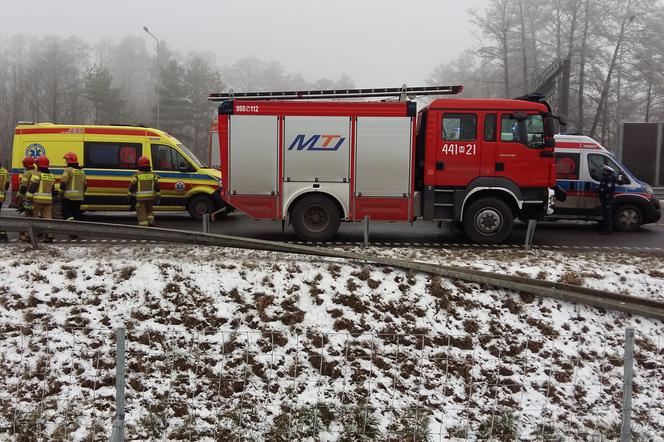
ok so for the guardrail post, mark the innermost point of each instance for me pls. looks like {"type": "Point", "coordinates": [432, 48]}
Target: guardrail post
{"type": "Point", "coordinates": [206, 223]}
{"type": "Point", "coordinates": [626, 428]}
{"type": "Point", "coordinates": [530, 233]}
{"type": "Point", "coordinates": [119, 421]}
{"type": "Point", "coordinates": [366, 230]}
{"type": "Point", "coordinates": [33, 238]}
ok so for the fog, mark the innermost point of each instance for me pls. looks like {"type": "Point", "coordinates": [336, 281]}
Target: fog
{"type": "Point", "coordinates": [376, 42]}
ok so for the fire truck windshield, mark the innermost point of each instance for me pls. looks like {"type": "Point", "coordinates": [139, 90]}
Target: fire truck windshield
{"type": "Point", "coordinates": [529, 131]}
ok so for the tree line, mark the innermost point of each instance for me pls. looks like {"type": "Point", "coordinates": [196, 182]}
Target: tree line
{"type": "Point", "coordinates": [70, 81]}
{"type": "Point", "coordinates": [616, 49]}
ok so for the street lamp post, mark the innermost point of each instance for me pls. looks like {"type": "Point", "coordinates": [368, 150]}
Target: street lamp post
{"type": "Point", "coordinates": [145, 28]}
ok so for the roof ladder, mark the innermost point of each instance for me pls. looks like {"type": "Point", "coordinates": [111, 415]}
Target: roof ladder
{"type": "Point", "coordinates": [401, 92]}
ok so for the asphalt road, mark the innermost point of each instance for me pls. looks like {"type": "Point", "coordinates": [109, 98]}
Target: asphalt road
{"type": "Point", "coordinates": [549, 234]}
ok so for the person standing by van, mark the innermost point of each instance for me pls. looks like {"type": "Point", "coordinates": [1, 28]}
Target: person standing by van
{"type": "Point", "coordinates": [24, 182]}
{"type": "Point", "coordinates": [41, 192]}
{"type": "Point", "coordinates": [4, 186]}
{"type": "Point", "coordinates": [606, 190]}
{"type": "Point", "coordinates": [72, 187]}
{"type": "Point", "coordinates": [144, 192]}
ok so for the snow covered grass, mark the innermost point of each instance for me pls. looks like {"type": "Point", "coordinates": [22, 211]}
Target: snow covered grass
{"type": "Point", "coordinates": [226, 344]}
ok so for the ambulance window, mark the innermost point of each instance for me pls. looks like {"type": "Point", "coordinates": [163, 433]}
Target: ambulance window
{"type": "Point", "coordinates": [111, 155]}
{"type": "Point", "coordinates": [596, 163]}
{"type": "Point", "coordinates": [166, 158]}
{"type": "Point", "coordinates": [459, 127]}
{"type": "Point", "coordinates": [490, 127]}
{"type": "Point", "coordinates": [567, 166]}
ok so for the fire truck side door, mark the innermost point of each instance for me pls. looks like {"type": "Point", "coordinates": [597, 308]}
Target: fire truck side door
{"type": "Point", "coordinates": [523, 164]}
{"type": "Point", "coordinates": [568, 168]}
{"type": "Point", "coordinates": [457, 148]}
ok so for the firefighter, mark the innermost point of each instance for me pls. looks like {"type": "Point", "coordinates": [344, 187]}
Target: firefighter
{"type": "Point", "coordinates": [41, 191]}
{"type": "Point", "coordinates": [144, 192]}
{"type": "Point", "coordinates": [606, 189]}
{"type": "Point", "coordinates": [4, 186]}
{"type": "Point", "coordinates": [24, 182]}
{"type": "Point", "coordinates": [72, 188]}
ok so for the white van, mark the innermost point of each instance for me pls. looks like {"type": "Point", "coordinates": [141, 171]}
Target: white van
{"type": "Point", "coordinates": [579, 162]}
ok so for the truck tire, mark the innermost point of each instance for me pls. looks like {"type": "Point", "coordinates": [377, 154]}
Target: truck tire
{"type": "Point", "coordinates": [200, 205]}
{"type": "Point", "coordinates": [627, 218]}
{"type": "Point", "coordinates": [488, 221]}
{"type": "Point", "coordinates": [315, 218]}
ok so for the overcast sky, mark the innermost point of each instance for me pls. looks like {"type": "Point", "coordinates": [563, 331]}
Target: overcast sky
{"type": "Point", "coordinates": [377, 42]}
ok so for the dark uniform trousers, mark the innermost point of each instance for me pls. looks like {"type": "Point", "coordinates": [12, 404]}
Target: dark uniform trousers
{"type": "Point", "coordinates": [71, 209]}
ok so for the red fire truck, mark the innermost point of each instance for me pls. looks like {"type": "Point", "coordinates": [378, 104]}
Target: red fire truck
{"type": "Point", "coordinates": [479, 163]}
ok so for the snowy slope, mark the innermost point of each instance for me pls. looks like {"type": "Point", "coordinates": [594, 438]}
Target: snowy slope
{"type": "Point", "coordinates": [225, 343]}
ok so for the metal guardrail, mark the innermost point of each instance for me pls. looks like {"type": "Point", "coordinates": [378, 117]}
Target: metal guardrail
{"type": "Point", "coordinates": [597, 298]}
{"type": "Point", "coordinates": [659, 192]}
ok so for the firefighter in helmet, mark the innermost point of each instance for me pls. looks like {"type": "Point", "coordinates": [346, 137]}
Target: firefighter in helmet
{"type": "Point", "coordinates": [41, 191]}
{"type": "Point", "coordinates": [24, 181]}
{"type": "Point", "coordinates": [606, 190]}
{"type": "Point", "coordinates": [72, 187]}
{"type": "Point", "coordinates": [144, 192]}
{"type": "Point", "coordinates": [4, 186]}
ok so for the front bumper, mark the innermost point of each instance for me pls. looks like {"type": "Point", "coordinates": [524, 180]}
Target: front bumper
{"type": "Point", "coordinates": [653, 211]}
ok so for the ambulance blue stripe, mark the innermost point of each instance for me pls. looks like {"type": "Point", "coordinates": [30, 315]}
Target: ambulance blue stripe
{"type": "Point", "coordinates": [566, 184]}
{"type": "Point", "coordinates": [123, 173]}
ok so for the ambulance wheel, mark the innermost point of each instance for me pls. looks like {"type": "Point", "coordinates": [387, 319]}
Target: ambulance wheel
{"type": "Point", "coordinates": [315, 218]}
{"type": "Point", "coordinates": [199, 205]}
{"type": "Point", "coordinates": [628, 218]}
{"type": "Point", "coordinates": [488, 221]}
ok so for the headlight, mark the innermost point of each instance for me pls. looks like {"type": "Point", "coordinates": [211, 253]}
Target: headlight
{"type": "Point", "coordinates": [649, 189]}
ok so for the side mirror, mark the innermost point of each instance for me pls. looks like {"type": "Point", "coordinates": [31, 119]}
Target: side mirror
{"type": "Point", "coordinates": [183, 167]}
{"type": "Point", "coordinates": [563, 120]}
{"type": "Point", "coordinates": [549, 142]}
{"type": "Point", "coordinates": [622, 179]}
{"type": "Point", "coordinates": [549, 126]}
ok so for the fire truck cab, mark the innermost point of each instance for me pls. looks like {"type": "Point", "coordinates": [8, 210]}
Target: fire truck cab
{"type": "Point", "coordinates": [479, 163]}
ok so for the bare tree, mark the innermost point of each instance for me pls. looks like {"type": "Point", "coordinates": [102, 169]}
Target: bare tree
{"type": "Point", "coordinates": [496, 23]}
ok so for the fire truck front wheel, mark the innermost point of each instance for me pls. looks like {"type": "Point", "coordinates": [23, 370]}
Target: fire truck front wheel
{"type": "Point", "coordinates": [488, 221]}
{"type": "Point", "coordinates": [315, 218]}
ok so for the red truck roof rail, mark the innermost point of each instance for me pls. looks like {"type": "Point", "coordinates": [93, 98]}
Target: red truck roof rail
{"type": "Point", "coordinates": [401, 92]}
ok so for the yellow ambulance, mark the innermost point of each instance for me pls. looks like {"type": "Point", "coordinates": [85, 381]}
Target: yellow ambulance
{"type": "Point", "coordinates": [108, 156]}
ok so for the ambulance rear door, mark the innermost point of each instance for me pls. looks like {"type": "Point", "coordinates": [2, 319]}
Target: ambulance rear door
{"type": "Point", "coordinates": [568, 168]}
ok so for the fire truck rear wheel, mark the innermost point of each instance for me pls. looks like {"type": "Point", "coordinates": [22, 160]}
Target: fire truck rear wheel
{"type": "Point", "coordinates": [488, 221]}
{"type": "Point", "coordinates": [315, 218]}
{"type": "Point", "coordinates": [200, 205]}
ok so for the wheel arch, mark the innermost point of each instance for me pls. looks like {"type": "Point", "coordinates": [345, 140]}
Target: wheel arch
{"type": "Point", "coordinates": [296, 197]}
{"type": "Point", "coordinates": [500, 193]}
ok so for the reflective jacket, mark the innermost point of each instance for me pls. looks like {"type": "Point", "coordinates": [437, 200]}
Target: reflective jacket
{"type": "Point", "coordinates": [25, 182]}
{"type": "Point", "coordinates": [4, 183]}
{"type": "Point", "coordinates": [72, 184]}
{"type": "Point", "coordinates": [42, 188]}
{"type": "Point", "coordinates": [144, 186]}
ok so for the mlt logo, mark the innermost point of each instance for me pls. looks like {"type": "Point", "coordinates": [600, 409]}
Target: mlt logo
{"type": "Point", "coordinates": [327, 142]}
